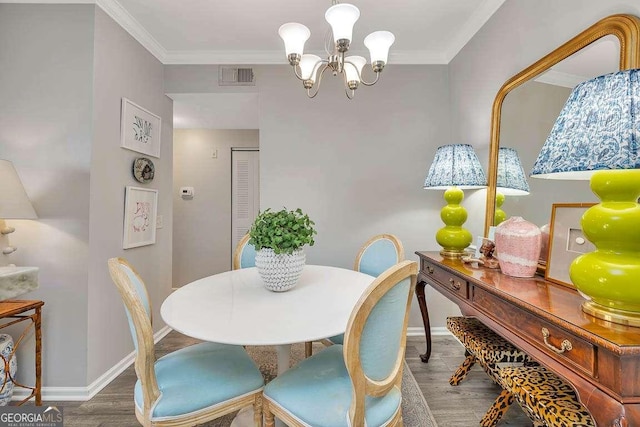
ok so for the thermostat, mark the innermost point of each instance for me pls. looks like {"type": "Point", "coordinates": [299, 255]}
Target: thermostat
{"type": "Point", "coordinates": [186, 192]}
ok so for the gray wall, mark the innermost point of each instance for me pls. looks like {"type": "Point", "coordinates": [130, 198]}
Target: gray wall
{"type": "Point", "coordinates": [64, 70]}
{"type": "Point", "coordinates": [357, 166]}
{"type": "Point", "coordinates": [518, 34]}
{"type": "Point", "coordinates": [202, 225]}
{"type": "Point", "coordinates": [46, 58]}
{"type": "Point", "coordinates": [123, 68]}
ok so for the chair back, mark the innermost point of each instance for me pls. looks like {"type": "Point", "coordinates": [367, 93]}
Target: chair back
{"type": "Point", "coordinates": [378, 254]}
{"type": "Point", "coordinates": [245, 254]}
{"type": "Point", "coordinates": [138, 309]}
{"type": "Point", "coordinates": [376, 335]}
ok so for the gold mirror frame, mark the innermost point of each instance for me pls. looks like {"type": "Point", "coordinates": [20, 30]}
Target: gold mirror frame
{"type": "Point", "coordinates": [625, 27]}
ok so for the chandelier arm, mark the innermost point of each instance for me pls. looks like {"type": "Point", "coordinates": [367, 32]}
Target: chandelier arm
{"type": "Point", "coordinates": [295, 71]}
{"type": "Point", "coordinates": [348, 91]}
{"type": "Point", "coordinates": [366, 83]}
{"type": "Point", "coordinates": [319, 74]}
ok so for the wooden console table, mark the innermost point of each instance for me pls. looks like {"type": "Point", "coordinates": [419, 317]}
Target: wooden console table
{"type": "Point", "coordinates": [537, 316]}
{"type": "Point", "coordinates": [17, 309]}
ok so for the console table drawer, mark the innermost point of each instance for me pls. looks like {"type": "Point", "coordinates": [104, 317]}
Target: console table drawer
{"type": "Point", "coordinates": [552, 339]}
{"type": "Point", "coordinates": [448, 280]}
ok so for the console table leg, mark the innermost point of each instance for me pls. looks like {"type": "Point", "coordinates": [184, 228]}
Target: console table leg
{"type": "Point", "coordinates": [425, 319]}
{"type": "Point", "coordinates": [38, 332]}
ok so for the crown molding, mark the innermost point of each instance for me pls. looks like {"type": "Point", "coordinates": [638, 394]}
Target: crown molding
{"type": "Point", "coordinates": [133, 27]}
{"type": "Point", "coordinates": [277, 57]}
{"type": "Point", "coordinates": [558, 78]}
{"type": "Point", "coordinates": [138, 32]}
{"type": "Point", "coordinates": [471, 26]}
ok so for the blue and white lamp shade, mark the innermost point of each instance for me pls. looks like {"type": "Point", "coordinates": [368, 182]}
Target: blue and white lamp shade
{"type": "Point", "coordinates": [598, 128]}
{"type": "Point", "coordinates": [511, 178]}
{"type": "Point", "coordinates": [455, 165]}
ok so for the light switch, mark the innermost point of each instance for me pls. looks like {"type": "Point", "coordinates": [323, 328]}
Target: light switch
{"type": "Point", "coordinates": [214, 153]}
{"type": "Point", "coordinates": [159, 223]}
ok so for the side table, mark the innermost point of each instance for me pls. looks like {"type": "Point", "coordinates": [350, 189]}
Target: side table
{"type": "Point", "coordinates": [17, 310]}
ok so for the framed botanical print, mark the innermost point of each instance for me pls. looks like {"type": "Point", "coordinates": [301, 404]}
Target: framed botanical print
{"type": "Point", "coordinates": [139, 129]}
{"type": "Point", "coordinates": [140, 211]}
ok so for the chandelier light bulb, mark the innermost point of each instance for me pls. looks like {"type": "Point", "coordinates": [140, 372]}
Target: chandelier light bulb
{"type": "Point", "coordinates": [378, 44]}
{"type": "Point", "coordinates": [294, 36]}
{"type": "Point", "coordinates": [342, 17]}
{"type": "Point", "coordinates": [353, 68]}
{"type": "Point", "coordinates": [308, 66]}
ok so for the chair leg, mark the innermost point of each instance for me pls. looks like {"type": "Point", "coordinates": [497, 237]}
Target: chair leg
{"type": "Point", "coordinates": [308, 349]}
{"type": "Point", "coordinates": [269, 419]}
{"type": "Point", "coordinates": [498, 409]}
{"type": "Point", "coordinates": [257, 410]}
{"type": "Point", "coordinates": [463, 370]}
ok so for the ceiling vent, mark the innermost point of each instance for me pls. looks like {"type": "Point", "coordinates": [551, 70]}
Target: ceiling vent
{"type": "Point", "coordinates": [235, 76]}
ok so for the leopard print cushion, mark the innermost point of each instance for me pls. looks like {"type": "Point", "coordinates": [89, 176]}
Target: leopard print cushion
{"type": "Point", "coordinates": [546, 398]}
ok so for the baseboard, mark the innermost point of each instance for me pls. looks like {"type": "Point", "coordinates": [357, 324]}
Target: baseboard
{"type": "Point", "coordinates": [68, 394]}
{"type": "Point", "coordinates": [418, 331]}
{"type": "Point", "coordinates": [63, 394]}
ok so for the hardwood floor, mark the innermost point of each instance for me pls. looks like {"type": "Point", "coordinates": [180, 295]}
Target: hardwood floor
{"type": "Point", "coordinates": [465, 404]}
{"type": "Point", "coordinates": [461, 406]}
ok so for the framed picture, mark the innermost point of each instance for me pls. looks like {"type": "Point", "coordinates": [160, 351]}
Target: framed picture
{"type": "Point", "coordinates": [140, 210]}
{"type": "Point", "coordinates": [139, 129]}
{"type": "Point", "coordinates": [566, 241]}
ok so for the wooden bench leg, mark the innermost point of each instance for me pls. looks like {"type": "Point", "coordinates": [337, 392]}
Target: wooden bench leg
{"type": "Point", "coordinates": [497, 410]}
{"type": "Point", "coordinates": [463, 370]}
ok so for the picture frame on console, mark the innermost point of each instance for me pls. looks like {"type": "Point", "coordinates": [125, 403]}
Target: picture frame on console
{"type": "Point", "coordinates": [566, 241]}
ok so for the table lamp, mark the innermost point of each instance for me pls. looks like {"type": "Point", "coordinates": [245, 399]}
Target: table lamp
{"type": "Point", "coordinates": [14, 203]}
{"type": "Point", "coordinates": [597, 137]}
{"type": "Point", "coordinates": [511, 180]}
{"type": "Point", "coordinates": [454, 168]}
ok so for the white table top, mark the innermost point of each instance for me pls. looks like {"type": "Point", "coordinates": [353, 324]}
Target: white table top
{"type": "Point", "coordinates": [235, 308]}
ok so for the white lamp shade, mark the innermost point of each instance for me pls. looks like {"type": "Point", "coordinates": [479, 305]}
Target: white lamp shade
{"type": "Point", "coordinates": [378, 44]}
{"type": "Point", "coordinates": [341, 17]}
{"type": "Point", "coordinates": [309, 66]}
{"type": "Point", "coordinates": [353, 67]}
{"type": "Point", "coordinates": [14, 203]}
{"type": "Point", "coordinates": [294, 36]}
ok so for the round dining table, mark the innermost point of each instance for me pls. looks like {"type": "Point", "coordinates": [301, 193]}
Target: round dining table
{"type": "Point", "coordinates": [234, 307]}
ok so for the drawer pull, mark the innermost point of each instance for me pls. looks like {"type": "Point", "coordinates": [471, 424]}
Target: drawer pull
{"type": "Point", "coordinates": [456, 285]}
{"type": "Point", "coordinates": [429, 269]}
{"type": "Point", "coordinates": [564, 346]}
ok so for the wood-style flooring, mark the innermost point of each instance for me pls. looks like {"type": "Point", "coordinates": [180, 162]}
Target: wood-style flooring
{"type": "Point", "coordinates": [461, 406]}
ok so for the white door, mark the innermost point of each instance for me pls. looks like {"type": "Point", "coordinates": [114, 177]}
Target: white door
{"type": "Point", "coordinates": [245, 192]}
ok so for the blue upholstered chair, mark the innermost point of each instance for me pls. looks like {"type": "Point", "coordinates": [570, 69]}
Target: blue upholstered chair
{"type": "Point", "coordinates": [375, 256]}
{"type": "Point", "coordinates": [192, 385]}
{"type": "Point", "coordinates": [344, 385]}
{"type": "Point", "coordinates": [245, 254]}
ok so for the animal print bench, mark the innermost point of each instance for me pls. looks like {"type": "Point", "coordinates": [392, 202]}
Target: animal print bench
{"type": "Point", "coordinates": [546, 398]}
{"type": "Point", "coordinates": [490, 350]}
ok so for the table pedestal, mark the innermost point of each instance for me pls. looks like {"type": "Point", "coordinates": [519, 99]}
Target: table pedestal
{"type": "Point", "coordinates": [245, 416]}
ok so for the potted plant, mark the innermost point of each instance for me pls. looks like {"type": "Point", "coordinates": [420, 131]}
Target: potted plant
{"type": "Point", "coordinates": [279, 238]}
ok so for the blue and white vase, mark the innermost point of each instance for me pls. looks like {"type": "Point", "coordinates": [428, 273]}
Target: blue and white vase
{"type": "Point", "coordinates": [9, 360]}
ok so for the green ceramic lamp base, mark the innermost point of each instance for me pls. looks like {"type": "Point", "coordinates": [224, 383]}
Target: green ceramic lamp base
{"type": "Point", "coordinates": [610, 276]}
{"type": "Point", "coordinates": [452, 237]}
{"type": "Point", "coordinates": [500, 215]}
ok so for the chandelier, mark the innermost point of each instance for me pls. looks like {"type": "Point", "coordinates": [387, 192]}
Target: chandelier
{"type": "Point", "coordinates": [310, 68]}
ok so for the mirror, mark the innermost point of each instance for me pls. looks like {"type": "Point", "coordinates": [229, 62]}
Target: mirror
{"type": "Point", "coordinates": [529, 95]}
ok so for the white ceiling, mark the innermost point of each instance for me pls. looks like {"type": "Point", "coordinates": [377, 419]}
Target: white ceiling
{"type": "Point", "coordinates": [246, 31]}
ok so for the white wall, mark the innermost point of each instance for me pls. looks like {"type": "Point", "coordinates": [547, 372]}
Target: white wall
{"type": "Point", "coordinates": [123, 68]}
{"type": "Point", "coordinates": [518, 34]}
{"type": "Point", "coordinates": [46, 58]}
{"type": "Point", "coordinates": [357, 166]}
{"type": "Point", "coordinates": [202, 225]}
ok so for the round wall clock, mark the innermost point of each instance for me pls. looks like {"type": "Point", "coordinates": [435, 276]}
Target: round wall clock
{"type": "Point", "coordinates": [143, 169]}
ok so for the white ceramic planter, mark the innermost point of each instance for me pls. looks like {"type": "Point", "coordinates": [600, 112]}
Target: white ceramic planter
{"type": "Point", "coordinates": [280, 272]}
{"type": "Point", "coordinates": [6, 350]}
